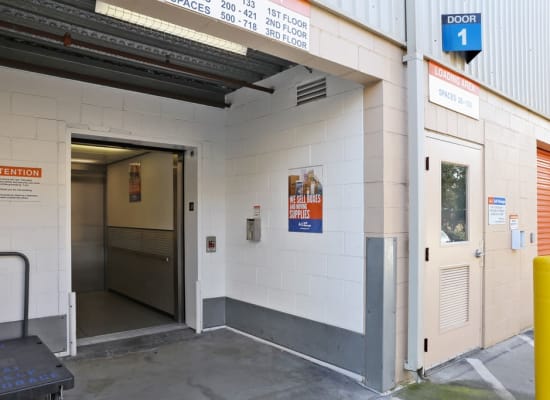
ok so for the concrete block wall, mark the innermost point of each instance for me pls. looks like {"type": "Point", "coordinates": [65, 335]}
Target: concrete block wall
{"type": "Point", "coordinates": [509, 135]}
{"type": "Point", "coordinates": [38, 114]}
{"type": "Point", "coordinates": [386, 188]}
{"type": "Point", "coordinates": [315, 276]}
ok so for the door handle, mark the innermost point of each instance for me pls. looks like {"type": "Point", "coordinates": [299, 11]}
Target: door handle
{"type": "Point", "coordinates": [478, 253]}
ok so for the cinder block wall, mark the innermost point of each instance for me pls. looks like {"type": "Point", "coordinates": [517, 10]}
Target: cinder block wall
{"type": "Point", "coordinates": [508, 134]}
{"type": "Point", "coordinates": [315, 276]}
{"type": "Point", "coordinates": [38, 113]}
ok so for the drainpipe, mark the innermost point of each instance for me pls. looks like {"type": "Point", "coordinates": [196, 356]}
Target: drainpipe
{"type": "Point", "coordinates": [415, 106]}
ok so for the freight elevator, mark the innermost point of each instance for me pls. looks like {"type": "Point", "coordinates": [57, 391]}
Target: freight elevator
{"type": "Point", "coordinates": [126, 226]}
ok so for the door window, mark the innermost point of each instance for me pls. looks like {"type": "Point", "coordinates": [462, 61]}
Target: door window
{"type": "Point", "coordinates": [454, 204]}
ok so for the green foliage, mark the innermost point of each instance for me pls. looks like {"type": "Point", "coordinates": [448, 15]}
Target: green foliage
{"type": "Point", "coordinates": [430, 391]}
{"type": "Point", "coordinates": [454, 201]}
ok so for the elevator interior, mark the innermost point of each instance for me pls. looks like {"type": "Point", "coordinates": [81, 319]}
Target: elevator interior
{"type": "Point", "coordinates": [124, 217]}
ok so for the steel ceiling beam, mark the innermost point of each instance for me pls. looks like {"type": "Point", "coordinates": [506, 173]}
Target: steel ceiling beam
{"type": "Point", "coordinates": [81, 23]}
{"type": "Point", "coordinates": [33, 67]}
{"type": "Point", "coordinates": [59, 54]}
{"type": "Point", "coordinates": [68, 41]}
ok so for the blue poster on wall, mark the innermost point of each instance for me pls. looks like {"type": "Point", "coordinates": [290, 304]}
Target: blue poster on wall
{"type": "Point", "coordinates": [305, 200]}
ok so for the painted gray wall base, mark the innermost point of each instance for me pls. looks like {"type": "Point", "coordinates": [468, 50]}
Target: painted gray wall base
{"type": "Point", "coordinates": [52, 331]}
{"type": "Point", "coordinates": [380, 320]}
{"type": "Point", "coordinates": [327, 343]}
{"type": "Point", "coordinates": [213, 312]}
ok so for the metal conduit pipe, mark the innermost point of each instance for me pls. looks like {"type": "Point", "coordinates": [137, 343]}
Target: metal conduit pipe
{"type": "Point", "coordinates": [415, 107]}
{"type": "Point", "coordinates": [68, 41]}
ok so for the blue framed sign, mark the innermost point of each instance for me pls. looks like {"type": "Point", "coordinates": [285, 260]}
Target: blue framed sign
{"type": "Point", "coordinates": [462, 33]}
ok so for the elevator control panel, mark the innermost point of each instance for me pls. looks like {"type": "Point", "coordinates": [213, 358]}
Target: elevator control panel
{"type": "Point", "coordinates": [253, 229]}
{"type": "Point", "coordinates": [211, 244]}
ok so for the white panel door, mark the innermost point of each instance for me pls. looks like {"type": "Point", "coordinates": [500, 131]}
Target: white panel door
{"type": "Point", "coordinates": [454, 241]}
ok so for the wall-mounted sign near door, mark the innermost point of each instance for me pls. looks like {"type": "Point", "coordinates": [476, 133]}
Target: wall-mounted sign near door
{"type": "Point", "coordinates": [462, 33]}
{"type": "Point", "coordinates": [20, 183]}
{"type": "Point", "coordinates": [453, 91]}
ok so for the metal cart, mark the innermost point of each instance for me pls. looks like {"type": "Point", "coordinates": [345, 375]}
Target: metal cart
{"type": "Point", "coordinates": [28, 369]}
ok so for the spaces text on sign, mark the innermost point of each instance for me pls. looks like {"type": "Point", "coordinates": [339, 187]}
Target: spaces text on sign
{"type": "Point", "coordinates": [267, 18]}
{"type": "Point", "coordinates": [453, 91]}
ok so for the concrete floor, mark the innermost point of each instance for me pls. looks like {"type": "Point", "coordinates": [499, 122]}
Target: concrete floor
{"type": "Point", "coordinates": [103, 312]}
{"type": "Point", "coordinates": [510, 363]}
{"type": "Point", "coordinates": [218, 365]}
{"type": "Point", "coordinates": [222, 365]}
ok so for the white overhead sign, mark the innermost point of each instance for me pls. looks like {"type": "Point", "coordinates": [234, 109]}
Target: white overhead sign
{"type": "Point", "coordinates": [453, 91]}
{"type": "Point", "coordinates": [286, 21]}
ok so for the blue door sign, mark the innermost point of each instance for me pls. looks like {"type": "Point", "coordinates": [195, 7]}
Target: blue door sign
{"type": "Point", "coordinates": [462, 33]}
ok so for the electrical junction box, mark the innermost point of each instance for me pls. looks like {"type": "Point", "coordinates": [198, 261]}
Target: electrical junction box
{"type": "Point", "coordinates": [518, 239]}
{"type": "Point", "coordinates": [253, 229]}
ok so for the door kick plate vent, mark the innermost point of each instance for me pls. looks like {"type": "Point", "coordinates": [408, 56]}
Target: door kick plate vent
{"type": "Point", "coordinates": [454, 297]}
{"type": "Point", "coordinates": [311, 91]}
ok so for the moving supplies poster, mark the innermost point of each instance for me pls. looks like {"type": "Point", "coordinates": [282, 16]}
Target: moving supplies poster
{"type": "Point", "coordinates": [305, 200]}
{"type": "Point", "coordinates": [135, 182]}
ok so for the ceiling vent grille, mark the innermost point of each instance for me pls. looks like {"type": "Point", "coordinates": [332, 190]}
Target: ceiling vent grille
{"type": "Point", "coordinates": [311, 91]}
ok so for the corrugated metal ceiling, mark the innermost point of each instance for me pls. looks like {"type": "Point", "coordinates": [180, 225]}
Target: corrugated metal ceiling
{"type": "Point", "coordinates": [68, 39]}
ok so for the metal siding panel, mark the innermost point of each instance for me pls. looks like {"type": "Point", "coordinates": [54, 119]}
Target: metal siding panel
{"type": "Point", "coordinates": [515, 55]}
{"type": "Point", "coordinates": [380, 322]}
{"type": "Point", "coordinates": [324, 342]}
{"type": "Point", "coordinates": [384, 16]}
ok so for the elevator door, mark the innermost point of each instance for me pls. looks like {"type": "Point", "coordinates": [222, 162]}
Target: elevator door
{"type": "Point", "coordinates": [127, 250]}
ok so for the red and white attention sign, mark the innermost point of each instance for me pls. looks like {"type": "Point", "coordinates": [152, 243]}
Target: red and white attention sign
{"type": "Point", "coordinates": [20, 183]}
{"type": "Point", "coordinates": [453, 91]}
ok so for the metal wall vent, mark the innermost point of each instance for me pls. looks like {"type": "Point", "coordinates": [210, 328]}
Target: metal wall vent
{"type": "Point", "coordinates": [454, 297]}
{"type": "Point", "coordinates": [311, 91]}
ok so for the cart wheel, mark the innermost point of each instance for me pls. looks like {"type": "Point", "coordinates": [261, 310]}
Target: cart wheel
{"type": "Point", "coordinates": [56, 396]}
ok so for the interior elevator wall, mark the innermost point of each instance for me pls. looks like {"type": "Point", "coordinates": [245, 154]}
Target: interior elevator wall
{"type": "Point", "coordinates": [141, 260]}
{"type": "Point", "coordinates": [87, 229]}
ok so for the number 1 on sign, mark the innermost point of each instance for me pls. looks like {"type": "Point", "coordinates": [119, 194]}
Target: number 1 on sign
{"type": "Point", "coordinates": [462, 35]}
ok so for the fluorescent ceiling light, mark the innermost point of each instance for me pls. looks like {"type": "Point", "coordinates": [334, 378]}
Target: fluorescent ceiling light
{"type": "Point", "coordinates": [167, 27]}
{"type": "Point", "coordinates": [98, 149]}
{"type": "Point", "coordinates": [85, 161]}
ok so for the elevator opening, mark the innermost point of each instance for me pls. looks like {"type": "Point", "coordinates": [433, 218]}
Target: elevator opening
{"type": "Point", "coordinates": [126, 237]}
